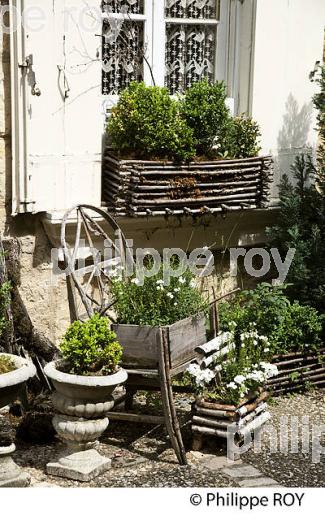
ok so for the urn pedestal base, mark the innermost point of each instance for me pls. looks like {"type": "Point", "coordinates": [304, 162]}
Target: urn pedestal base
{"type": "Point", "coordinates": [79, 461]}
{"type": "Point", "coordinates": [82, 465]}
{"type": "Point", "coordinates": [11, 476]}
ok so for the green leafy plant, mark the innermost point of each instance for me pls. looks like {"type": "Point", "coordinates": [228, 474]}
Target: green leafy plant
{"type": "Point", "coordinates": [148, 301]}
{"type": "Point", "coordinates": [5, 289]}
{"type": "Point", "coordinates": [319, 104]}
{"type": "Point", "coordinates": [301, 225]}
{"type": "Point", "coordinates": [243, 138]}
{"type": "Point", "coordinates": [299, 329]}
{"type": "Point", "coordinates": [91, 347]}
{"type": "Point", "coordinates": [288, 326]}
{"type": "Point", "coordinates": [147, 122]}
{"type": "Point", "coordinates": [205, 111]}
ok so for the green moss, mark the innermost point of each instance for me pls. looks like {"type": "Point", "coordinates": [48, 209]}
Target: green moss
{"type": "Point", "coordinates": [6, 365]}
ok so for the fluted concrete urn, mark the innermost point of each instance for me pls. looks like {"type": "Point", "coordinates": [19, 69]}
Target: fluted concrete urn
{"type": "Point", "coordinates": [11, 384]}
{"type": "Point", "coordinates": [81, 403]}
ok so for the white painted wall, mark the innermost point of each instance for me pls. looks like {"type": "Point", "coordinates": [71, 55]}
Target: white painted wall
{"type": "Point", "coordinates": [289, 39]}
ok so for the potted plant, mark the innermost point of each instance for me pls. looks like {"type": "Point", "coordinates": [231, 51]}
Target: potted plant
{"type": "Point", "coordinates": [14, 373]}
{"type": "Point", "coordinates": [230, 387]}
{"type": "Point", "coordinates": [147, 306]}
{"type": "Point", "coordinates": [185, 155]}
{"type": "Point", "coordinates": [84, 379]}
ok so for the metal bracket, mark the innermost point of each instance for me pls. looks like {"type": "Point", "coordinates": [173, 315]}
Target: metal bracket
{"type": "Point", "coordinates": [27, 63]}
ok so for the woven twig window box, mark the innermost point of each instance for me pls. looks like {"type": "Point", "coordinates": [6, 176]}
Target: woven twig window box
{"type": "Point", "coordinates": [160, 188]}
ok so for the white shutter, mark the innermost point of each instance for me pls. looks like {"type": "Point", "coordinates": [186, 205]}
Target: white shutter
{"type": "Point", "coordinates": [57, 134]}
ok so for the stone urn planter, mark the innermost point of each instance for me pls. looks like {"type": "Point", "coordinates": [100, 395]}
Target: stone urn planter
{"type": "Point", "coordinates": [81, 403]}
{"type": "Point", "coordinates": [11, 384]}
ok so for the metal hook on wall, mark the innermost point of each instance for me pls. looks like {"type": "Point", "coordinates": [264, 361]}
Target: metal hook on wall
{"type": "Point", "coordinates": [66, 86]}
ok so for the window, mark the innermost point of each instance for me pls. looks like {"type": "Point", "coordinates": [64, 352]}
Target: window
{"type": "Point", "coordinates": [191, 40]}
{"type": "Point", "coordinates": [163, 42]}
{"type": "Point", "coordinates": [123, 44]}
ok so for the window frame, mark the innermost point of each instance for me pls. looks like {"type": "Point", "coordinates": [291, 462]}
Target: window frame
{"type": "Point", "coordinates": [154, 30]}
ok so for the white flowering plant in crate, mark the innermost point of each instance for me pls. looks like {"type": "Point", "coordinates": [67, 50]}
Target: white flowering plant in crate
{"type": "Point", "coordinates": [156, 300]}
{"type": "Point", "coordinates": [241, 372]}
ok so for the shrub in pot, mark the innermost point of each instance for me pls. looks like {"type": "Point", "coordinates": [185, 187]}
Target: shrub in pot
{"type": "Point", "coordinates": [84, 380]}
{"type": "Point", "coordinates": [205, 112]}
{"type": "Point", "coordinates": [171, 155]}
{"type": "Point", "coordinates": [147, 123]}
{"type": "Point", "coordinates": [14, 373]}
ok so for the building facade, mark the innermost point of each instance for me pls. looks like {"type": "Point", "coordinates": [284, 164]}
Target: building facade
{"type": "Point", "coordinates": [59, 77]}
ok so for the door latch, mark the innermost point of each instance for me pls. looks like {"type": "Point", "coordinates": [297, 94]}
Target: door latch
{"type": "Point", "coordinates": [27, 65]}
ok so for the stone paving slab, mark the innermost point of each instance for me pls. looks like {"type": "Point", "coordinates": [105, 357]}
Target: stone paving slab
{"type": "Point", "coordinates": [241, 471]}
{"type": "Point", "coordinates": [264, 482]}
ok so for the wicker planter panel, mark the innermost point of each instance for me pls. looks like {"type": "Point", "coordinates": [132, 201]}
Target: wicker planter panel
{"type": "Point", "coordinates": [214, 419]}
{"type": "Point", "coordinates": [295, 370]}
{"type": "Point", "coordinates": [140, 188]}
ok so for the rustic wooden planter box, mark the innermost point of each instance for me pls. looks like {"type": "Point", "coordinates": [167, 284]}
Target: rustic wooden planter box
{"type": "Point", "coordinates": [214, 419]}
{"type": "Point", "coordinates": [143, 188]}
{"type": "Point", "coordinates": [142, 343]}
{"type": "Point", "coordinates": [295, 370]}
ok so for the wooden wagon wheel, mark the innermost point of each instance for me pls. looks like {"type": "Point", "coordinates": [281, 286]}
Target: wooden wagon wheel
{"type": "Point", "coordinates": [97, 252]}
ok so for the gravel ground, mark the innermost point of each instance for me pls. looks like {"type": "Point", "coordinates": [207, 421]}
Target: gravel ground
{"type": "Point", "coordinates": [141, 455]}
{"type": "Point", "coordinates": [294, 469]}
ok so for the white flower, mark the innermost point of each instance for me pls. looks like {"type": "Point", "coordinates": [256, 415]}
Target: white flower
{"type": "Point", "coordinates": [170, 295]}
{"type": "Point", "coordinates": [177, 289]}
{"type": "Point", "coordinates": [239, 379]}
{"type": "Point", "coordinates": [181, 279]}
{"type": "Point", "coordinates": [193, 369]}
{"type": "Point", "coordinates": [269, 369]}
{"type": "Point", "coordinates": [266, 350]}
{"type": "Point", "coordinates": [160, 282]}
{"type": "Point", "coordinates": [202, 377]}
{"type": "Point", "coordinates": [232, 385]}
{"type": "Point", "coordinates": [136, 281]}
{"type": "Point", "coordinates": [257, 375]}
